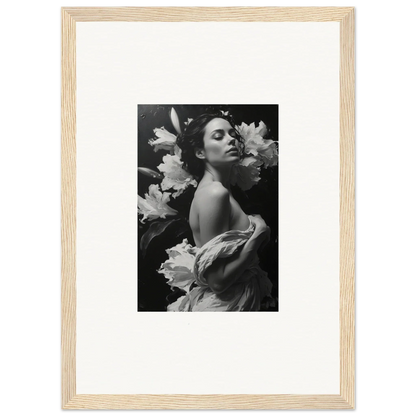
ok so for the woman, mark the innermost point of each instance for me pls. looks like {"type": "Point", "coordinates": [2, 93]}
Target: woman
{"type": "Point", "coordinates": [226, 269]}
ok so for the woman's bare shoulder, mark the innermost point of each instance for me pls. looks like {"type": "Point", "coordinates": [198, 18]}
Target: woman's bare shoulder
{"type": "Point", "coordinates": [213, 209]}
{"type": "Point", "coordinates": [211, 203]}
{"type": "Point", "coordinates": [210, 193]}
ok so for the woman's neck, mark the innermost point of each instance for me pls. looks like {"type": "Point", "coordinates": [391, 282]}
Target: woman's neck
{"type": "Point", "coordinates": [212, 174]}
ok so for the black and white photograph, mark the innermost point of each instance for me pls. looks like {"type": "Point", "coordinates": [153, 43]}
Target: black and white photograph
{"type": "Point", "coordinates": [208, 208]}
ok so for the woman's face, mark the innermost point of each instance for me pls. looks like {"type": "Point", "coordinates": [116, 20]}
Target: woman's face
{"type": "Point", "coordinates": [220, 143]}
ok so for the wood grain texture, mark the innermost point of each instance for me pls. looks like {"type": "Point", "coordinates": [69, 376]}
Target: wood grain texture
{"type": "Point", "coordinates": [68, 208]}
{"type": "Point", "coordinates": [204, 14]}
{"type": "Point", "coordinates": [346, 399]}
{"type": "Point", "coordinates": [208, 401]}
{"type": "Point", "coordinates": [347, 209]}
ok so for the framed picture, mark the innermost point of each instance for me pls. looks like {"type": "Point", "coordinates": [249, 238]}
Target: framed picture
{"type": "Point", "coordinates": [174, 196]}
{"type": "Point", "coordinates": [208, 166]}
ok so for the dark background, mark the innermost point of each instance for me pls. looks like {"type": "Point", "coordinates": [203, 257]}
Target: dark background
{"type": "Point", "coordinates": [153, 292]}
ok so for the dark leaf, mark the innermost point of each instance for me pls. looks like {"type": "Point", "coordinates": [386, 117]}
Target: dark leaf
{"type": "Point", "coordinates": [175, 294]}
{"type": "Point", "coordinates": [156, 228]}
{"type": "Point", "coordinates": [182, 228]}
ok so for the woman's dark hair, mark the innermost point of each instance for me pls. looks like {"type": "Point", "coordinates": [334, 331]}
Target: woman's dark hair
{"type": "Point", "coordinates": [192, 139]}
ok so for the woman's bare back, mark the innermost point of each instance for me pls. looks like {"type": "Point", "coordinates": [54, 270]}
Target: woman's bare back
{"type": "Point", "coordinates": [225, 211]}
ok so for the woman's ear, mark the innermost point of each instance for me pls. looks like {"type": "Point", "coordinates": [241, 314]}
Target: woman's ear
{"type": "Point", "coordinates": [200, 154]}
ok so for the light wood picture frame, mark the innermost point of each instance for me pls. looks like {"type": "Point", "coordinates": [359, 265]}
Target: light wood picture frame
{"type": "Point", "coordinates": [346, 398]}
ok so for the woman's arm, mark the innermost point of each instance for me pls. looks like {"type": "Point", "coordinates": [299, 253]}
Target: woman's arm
{"type": "Point", "coordinates": [214, 215]}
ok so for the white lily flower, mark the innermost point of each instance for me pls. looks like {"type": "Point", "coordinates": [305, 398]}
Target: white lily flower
{"type": "Point", "coordinates": [264, 150]}
{"type": "Point", "coordinates": [154, 204]}
{"type": "Point", "coordinates": [164, 140]}
{"type": "Point", "coordinates": [178, 269]}
{"type": "Point", "coordinates": [175, 176]}
{"type": "Point", "coordinates": [247, 173]}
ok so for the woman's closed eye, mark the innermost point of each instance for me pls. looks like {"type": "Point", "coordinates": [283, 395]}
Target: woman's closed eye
{"type": "Point", "coordinates": [220, 134]}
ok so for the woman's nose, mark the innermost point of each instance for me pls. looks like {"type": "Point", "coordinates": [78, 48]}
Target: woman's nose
{"type": "Point", "coordinates": [231, 140]}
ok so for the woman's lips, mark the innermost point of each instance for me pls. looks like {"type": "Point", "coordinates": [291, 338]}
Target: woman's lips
{"type": "Point", "coordinates": [233, 149]}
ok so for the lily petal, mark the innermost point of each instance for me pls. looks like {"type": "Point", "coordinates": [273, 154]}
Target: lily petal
{"type": "Point", "coordinates": [150, 172]}
{"type": "Point", "coordinates": [175, 120]}
{"type": "Point", "coordinates": [154, 204]}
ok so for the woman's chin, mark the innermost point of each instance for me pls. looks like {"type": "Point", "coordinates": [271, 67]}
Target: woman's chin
{"type": "Point", "coordinates": [234, 156]}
